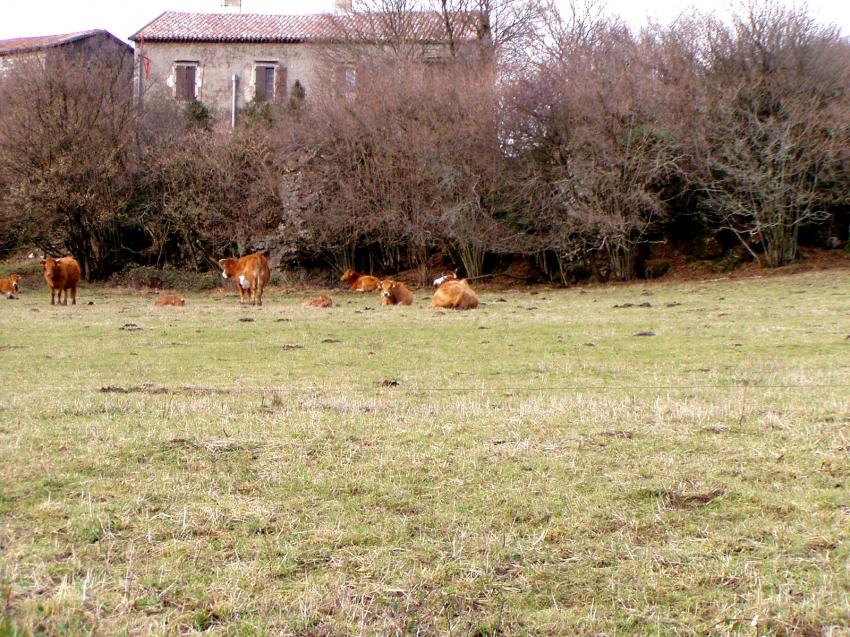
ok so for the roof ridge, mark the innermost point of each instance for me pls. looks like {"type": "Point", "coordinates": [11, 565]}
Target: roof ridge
{"type": "Point", "coordinates": [188, 26]}
{"type": "Point", "coordinates": [29, 43]}
{"type": "Point", "coordinates": [294, 15]}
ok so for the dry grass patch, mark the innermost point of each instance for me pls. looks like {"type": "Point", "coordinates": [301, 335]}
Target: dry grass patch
{"type": "Point", "coordinates": [408, 472]}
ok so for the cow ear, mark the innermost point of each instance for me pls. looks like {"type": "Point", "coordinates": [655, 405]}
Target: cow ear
{"type": "Point", "coordinates": [221, 261]}
{"type": "Point", "coordinates": [44, 260]}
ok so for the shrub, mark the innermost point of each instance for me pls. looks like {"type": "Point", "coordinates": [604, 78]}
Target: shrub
{"type": "Point", "coordinates": [198, 113]}
{"type": "Point", "coordinates": [157, 278]}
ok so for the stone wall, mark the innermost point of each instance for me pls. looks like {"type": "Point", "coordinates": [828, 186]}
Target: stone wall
{"type": "Point", "coordinates": [217, 62]}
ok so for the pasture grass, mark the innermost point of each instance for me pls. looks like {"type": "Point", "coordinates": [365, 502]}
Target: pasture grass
{"type": "Point", "coordinates": [528, 468]}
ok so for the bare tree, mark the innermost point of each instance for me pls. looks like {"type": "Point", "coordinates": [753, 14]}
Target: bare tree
{"type": "Point", "coordinates": [587, 123]}
{"type": "Point", "coordinates": [502, 29]}
{"type": "Point", "coordinates": [770, 135]}
{"type": "Point", "coordinates": [66, 145]}
{"type": "Point", "coordinates": [205, 193]}
{"type": "Point", "coordinates": [404, 164]}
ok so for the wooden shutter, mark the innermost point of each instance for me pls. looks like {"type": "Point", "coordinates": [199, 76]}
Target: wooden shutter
{"type": "Point", "coordinates": [180, 77]}
{"type": "Point", "coordinates": [190, 83]}
{"type": "Point", "coordinates": [185, 78]}
{"type": "Point", "coordinates": [280, 83]}
{"type": "Point", "coordinates": [260, 83]}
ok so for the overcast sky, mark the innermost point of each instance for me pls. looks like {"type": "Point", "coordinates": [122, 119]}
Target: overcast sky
{"type": "Point", "coordinates": [20, 18]}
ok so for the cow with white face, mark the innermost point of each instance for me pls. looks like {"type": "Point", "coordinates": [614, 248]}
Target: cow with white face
{"type": "Point", "coordinates": [251, 274]}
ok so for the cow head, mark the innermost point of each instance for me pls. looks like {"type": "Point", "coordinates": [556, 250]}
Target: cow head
{"type": "Point", "coordinates": [348, 276]}
{"type": "Point", "coordinates": [51, 268]}
{"type": "Point", "coordinates": [445, 276]}
{"type": "Point", "coordinates": [14, 278]}
{"type": "Point", "coordinates": [387, 288]}
{"type": "Point", "coordinates": [228, 267]}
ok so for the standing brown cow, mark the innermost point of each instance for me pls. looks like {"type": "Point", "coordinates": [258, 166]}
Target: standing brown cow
{"type": "Point", "coordinates": [62, 275]}
{"type": "Point", "coordinates": [251, 274]}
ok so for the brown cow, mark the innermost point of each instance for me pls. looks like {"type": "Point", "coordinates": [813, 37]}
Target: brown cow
{"type": "Point", "coordinates": [9, 285]}
{"type": "Point", "coordinates": [251, 274]}
{"type": "Point", "coordinates": [395, 293]}
{"type": "Point", "coordinates": [62, 275]}
{"type": "Point", "coordinates": [318, 301]}
{"type": "Point", "coordinates": [360, 282]}
{"type": "Point", "coordinates": [454, 294]}
{"type": "Point", "coordinates": [169, 299]}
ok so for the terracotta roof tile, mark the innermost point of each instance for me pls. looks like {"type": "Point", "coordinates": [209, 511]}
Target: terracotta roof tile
{"type": "Point", "coordinates": [246, 27]}
{"type": "Point", "coordinates": [26, 45]}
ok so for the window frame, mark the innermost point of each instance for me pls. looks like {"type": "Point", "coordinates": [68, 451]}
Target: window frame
{"type": "Point", "coordinates": [180, 68]}
{"type": "Point", "coordinates": [278, 83]}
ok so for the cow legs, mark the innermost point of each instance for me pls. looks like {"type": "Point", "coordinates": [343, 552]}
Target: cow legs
{"type": "Point", "coordinates": [257, 290]}
{"type": "Point", "coordinates": [73, 296]}
{"type": "Point", "coordinates": [63, 300]}
{"type": "Point", "coordinates": [53, 296]}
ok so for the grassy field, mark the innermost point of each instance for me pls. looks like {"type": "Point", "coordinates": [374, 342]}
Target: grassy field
{"type": "Point", "coordinates": [533, 467]}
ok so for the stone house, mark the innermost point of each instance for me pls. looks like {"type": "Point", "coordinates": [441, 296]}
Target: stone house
{"type": "Point", "coordinates": [226, 61]}
{"type": "Point", "coordinates": [94, 44]}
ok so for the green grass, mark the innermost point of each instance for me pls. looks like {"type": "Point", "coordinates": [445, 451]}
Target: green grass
{"type": "Point", "coordinates": [528, 468]}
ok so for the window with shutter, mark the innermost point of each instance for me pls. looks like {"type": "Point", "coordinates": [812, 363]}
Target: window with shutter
{"type": "Point", "coordinates": [269, 81]}
{"type": "Point", "coordinates": [346, 80]}
{"type": "Point", "coordinates": [184, 75]}
{"type": "Point", "coordinates": [350, 78]}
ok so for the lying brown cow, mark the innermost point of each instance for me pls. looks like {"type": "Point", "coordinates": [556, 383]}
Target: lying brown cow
{"type": "Point", "coordinates": [454, 294]}
{"type": "Point", "coordinates": [318, 301]}
{"type": "Point", "coordinates": [62, 275]}
{"type": "Point", "coordinates": [9, 285]}
{"type": "Point", "coordinates": [395, 293]}
{"type": "Point", "coordinates": [360, 282]}
{"type": "Point", "coordinates": [251, 274]}
{"type": "Point", "coordinates": [169, 299]}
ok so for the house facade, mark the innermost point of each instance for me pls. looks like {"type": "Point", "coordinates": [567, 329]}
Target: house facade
{"type": "Point", "coordinates": [227, 61]}
{"type": "Point", "coordinates": [93, 44]}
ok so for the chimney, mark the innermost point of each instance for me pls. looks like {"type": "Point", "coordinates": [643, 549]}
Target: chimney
{"type": "Point", "coordinates": [342, 6]}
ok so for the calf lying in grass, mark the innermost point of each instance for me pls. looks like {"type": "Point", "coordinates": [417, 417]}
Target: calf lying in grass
{"type": "Point", "coordinates": [395, 293]}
